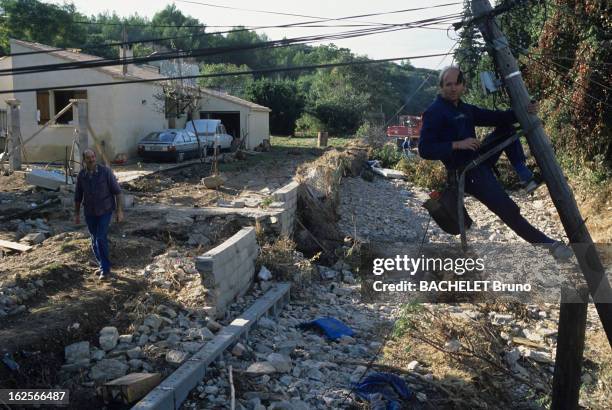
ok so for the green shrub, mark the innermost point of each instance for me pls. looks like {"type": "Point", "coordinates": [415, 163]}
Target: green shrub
{"type": "Point", "coordinates": [423, 173]}
{"type": "Point", "coordinates": [308, 125]}
{"type": "Point", "coordinates": [388, 155]}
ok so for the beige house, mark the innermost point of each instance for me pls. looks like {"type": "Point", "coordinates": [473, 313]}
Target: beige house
{"type": "Point", "coordinates": [120, 115]}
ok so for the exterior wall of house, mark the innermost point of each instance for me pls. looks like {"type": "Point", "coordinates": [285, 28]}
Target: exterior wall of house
{"type": "Point", "coordinates": [259, 128]}
{"type": "Point", "coordinates": [119, 115]}
{"type": "Point", "coordinates": [257, 123]}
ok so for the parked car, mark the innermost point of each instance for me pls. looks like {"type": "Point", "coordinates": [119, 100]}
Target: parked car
{"type": "Point", "coordinates": [211, 131]}
{"type": "Point", "coordinates": [171, 144]}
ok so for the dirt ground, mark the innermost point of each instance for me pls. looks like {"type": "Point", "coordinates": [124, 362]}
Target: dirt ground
{"type": "Point", "coordinates": [68, 302]}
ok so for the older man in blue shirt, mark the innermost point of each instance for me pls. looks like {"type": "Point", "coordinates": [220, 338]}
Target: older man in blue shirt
{"type": "Point", "coordinates": [98, 190]}
{"type": "Point", "coordinates": [448, 134]}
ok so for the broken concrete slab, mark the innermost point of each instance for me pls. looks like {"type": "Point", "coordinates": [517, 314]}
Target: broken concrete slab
{"type": "Point", "coordinates": [46, 179]}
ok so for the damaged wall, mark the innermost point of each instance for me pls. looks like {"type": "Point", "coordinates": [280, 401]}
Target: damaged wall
{"type": "Point", "coordinates": [227, 271]}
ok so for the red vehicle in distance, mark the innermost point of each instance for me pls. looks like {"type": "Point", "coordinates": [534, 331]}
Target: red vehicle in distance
{"type": "Point", "coordinates": [409, 126]}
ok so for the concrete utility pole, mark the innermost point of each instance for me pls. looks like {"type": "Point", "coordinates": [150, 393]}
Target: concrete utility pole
{"type": "Point", "coordinates": [14, 135]}
{"type": "Point", "coordinates": [80, 109]}
{"type": "Point", "coordinates": [572, 319]}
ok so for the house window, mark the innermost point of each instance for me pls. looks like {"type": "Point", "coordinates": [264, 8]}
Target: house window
{"type": "Point", "coordinates": [42, 106]}
{"type": "Point", "coordinates": [62, 99]}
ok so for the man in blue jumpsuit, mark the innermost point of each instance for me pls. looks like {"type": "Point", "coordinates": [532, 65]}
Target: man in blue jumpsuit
{"type": "Point", "coordinates": [448, 135]}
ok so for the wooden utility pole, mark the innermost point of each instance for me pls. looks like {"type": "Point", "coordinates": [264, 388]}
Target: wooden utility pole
{"type": "Point", "coordinates": [80, 108]}
{"type": "Point", "coordinates": [540, 146]}
{"type": "Point", "coordinates": [14, 135]}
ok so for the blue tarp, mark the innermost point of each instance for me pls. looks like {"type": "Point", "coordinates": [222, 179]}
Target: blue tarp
{"type": "Point", "coordinates": [332, 327]}
{"type": "Point", "coordinates": [384, 391]}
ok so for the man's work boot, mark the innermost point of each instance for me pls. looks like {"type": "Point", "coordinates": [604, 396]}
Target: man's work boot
{"type": "Point", "coordinates": [530, 186]}
{"type": "Point", "coordinates": [104, 275]}
{"type": "Point", "coordinates": [560, 251]}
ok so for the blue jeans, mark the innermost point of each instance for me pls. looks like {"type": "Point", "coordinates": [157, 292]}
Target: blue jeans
{"type": "Point", "coordinates": [482, 184]}
{"type": "Point", "coordinates": [514, 152]}
{"type": "Point", "coordinates": [98, 229]}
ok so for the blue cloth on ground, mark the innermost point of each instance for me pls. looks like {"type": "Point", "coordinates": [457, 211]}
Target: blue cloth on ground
{"type": "Point", "coordinates": [332, 327]}
{"type": "Point", "coordinates": [384, 391]}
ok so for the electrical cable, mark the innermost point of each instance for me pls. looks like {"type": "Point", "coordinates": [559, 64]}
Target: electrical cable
{"type": "Point", "coordinates": [236, 30]}
{"type": "Point", "coordinates": [237, 73]}
{"type": "Point", "coordinates": [206, 51]}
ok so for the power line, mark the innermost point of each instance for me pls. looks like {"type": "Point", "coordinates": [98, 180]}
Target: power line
{"type": "Point", "coordinates": [103, 62]}
{"type": "Point", "coordinates": [228, 74]}
{"type": "Point", "coordinates": [307, 16]}
{"type": "Point", "coordinates": [415, 24]}
{"type": "Point", "coordinates": [212, 51]}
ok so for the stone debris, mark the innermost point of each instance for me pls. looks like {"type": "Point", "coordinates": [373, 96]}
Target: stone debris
{"type": "Point", "coordinates": [109, 337]}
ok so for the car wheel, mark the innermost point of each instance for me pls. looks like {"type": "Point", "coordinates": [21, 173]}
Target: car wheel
{"type": "Point", "coordinates": [180, 157]}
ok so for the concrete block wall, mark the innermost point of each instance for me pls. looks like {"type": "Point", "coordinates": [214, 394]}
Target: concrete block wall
{"type": "Point", "coordinates": [227, 271]}
{"type": "Point", "coordinates": [288, 195]}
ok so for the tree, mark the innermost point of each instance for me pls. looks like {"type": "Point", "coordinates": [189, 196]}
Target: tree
{"type": "Point", "coordinates": [234, 85]}
{"type": "Point", "coordinates": [282, 97]}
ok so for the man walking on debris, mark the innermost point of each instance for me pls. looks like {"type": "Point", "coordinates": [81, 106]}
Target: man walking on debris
{"type": "Point", "coordinates": [98, 190]}
{"type": "Point", "coordinates": [448, 134]}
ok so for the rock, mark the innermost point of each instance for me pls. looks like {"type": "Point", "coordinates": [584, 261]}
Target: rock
{"type": "Point", "coordinates": [76, 366]}
{"type": "Point", "coordinates": [327, 273]}
{"type": "Point", "coordinates": [452, 345]}
{"type": "Point", "coordinates": [264, 274]}
{"type": "Point", "coordinates": [97, 354]}
{"type": "Point", "coordinates": [314, 374]}
{"type": "Point", "coordinates": [239, 350]}
{"type": "Point", "coordinates": [500, 319]}
{"type": "Point", "coordinates": [77, 351]}
{"type": "Point", "coordinates": [213, 326]}
{"type": "Point", "coordinates": [346, 340]}
{"type": "Point", "coordinates": [191, 347]}
{"type": "Point", "coordinates": [259, 368]}
{"type": "Point", "coordinates": [153, 321]}
{"type": "Point", "coordinates": [173, 339]}
{"type": "Point", "coordinates": [266, 323]}
{"type": "Point", "coordinates": [414, 365]}
{"type": "Point", "coordinates": [375, 345]}
{"type": "Point", "coordinates": [142, 340]}
{"type": "Point", "coordinates": [541, 357]}
{"type": "Point", "coordinates": [108, 369]}
{"type": "Point", "coordinates": [200, 333]}
{"type": "Point", "coordinates": [135, 353]}
{"type": "Point", "coordinates": [198, 239]}
{"type": "Point", "coordinates": [126, 339]}
{"type": "Point", "coordinates": [17, 310]}
{"type": "Point", "coordinates": [33, 238]}
{"type": "Point", "coordinates": [176, 357]}
{"type": "Point", "coordinates": [512, 356]}
{"type": "Point", "coordinates": [135, 364]}
{"type": "Point", "coordinates": [165, 310]}
{"type": "Point", "coordinates": [178, 220]}
{"type": "Point", "coordinates": [211, 390]}
{"type": "Point", "coordinates": [109, 336]}
{"type": "Point", "coordinates": [281, 363]}
{"type": "Point", "coordinates": [422, 397]}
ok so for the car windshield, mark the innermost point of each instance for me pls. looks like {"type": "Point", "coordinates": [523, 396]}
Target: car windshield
{"type": "Point", "coordinates": [160, 137]}
{"type": "Point", "coordinates": [204, 128]}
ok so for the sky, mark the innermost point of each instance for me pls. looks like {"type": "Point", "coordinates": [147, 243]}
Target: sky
{"type": "Point", "coordinates": [387, 45]}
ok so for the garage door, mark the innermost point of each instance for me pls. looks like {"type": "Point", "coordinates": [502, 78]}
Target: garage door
{"type": "Point", "coordinates": [230, 119]}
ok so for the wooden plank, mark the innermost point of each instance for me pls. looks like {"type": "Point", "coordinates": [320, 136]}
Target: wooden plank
{"type": "Point", "coordinates": [14, 246]}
